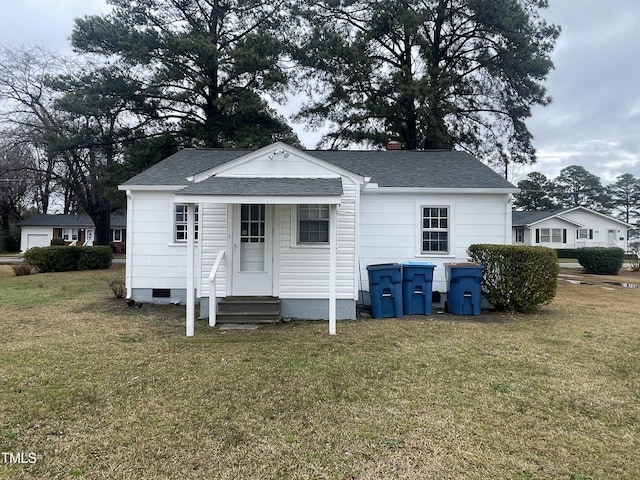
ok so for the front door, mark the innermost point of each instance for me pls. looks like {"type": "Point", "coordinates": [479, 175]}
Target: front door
{"type": "Point", "coordinates": [611, 238]}
{"type": "Point", "coordinates": [252, 250]}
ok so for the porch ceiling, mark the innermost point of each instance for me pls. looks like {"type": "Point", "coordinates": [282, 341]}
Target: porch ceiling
{"type": "Point", "coordinates": [263, 190]}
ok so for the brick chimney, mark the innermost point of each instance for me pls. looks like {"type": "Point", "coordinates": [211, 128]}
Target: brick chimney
{"type": "Point", "coordinates": [394, 145]}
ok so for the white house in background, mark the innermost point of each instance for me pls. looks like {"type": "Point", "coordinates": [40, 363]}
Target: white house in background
{"type": "Point", "coordinates": [575, 227]}
{"type": "Point", "coordinates": [301, 226]}
{"type": "Point", "coordinates": [39, 230]}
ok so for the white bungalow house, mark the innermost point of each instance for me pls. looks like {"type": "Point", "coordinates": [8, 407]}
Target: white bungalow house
{"type": "Point", "coordinates": [575, 227]}
{"type": "Point", "coordinates": [300, 227]}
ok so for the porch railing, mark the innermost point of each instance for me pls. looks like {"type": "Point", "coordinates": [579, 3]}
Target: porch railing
{"type": "Point", "coordinates": [213, 301]}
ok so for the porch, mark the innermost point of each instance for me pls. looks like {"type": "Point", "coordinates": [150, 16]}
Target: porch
{"type": "Point", "coordinates": [253, 246]}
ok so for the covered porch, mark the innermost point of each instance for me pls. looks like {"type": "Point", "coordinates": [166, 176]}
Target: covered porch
{"type": "Point", "coordinates": [255, 234]}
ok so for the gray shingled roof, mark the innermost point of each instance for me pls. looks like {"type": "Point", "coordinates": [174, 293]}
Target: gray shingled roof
{"type": "Point", "coordinates": [175, 169]}
{"type": "Point", "coordinates": [395, 168]}
{"type": "Point", "coordinates": [73, 221]}
{"type": "Point", "coordinates": [266, 186]}
{"type": "Point", "coordinates": [519, 218]}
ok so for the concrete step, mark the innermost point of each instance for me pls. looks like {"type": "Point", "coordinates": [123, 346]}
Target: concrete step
{"type": "Point", "coordinates": [249, 310]}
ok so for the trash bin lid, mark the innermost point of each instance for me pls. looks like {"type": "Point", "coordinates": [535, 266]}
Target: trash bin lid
{"type": "Point", "coordinates": [384, 266]}
{"type": "Point", "coordinates": [417, 263]}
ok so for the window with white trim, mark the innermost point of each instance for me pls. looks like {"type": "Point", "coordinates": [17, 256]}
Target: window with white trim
{"type": "Point", "coordinates": [435, 229]}
{"type": "Point", "coordinates": [584, 234]}
{"type": "Point", "coordinates": [181, 221]}
{"type": "Point", "coordinates": [313, 224]}
{"type": "Point", "coordinates": [550, 235]}
{"type": "Point", "coordinates": [519, 235]}
{"type": "Point", "coordinates": [116, 235]}
{"type": "Point", "coordinates": [69, 234]}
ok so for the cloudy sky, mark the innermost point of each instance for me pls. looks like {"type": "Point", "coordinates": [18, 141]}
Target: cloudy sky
{"type": "Point", "coordinates": [594, 120]}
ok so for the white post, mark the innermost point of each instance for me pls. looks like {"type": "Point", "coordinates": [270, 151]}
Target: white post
{"type": "Point", "coordinates": [191, 243]}
{"type": "Point", "coordinates": [333, 248]}
{"type": "Point", "coordinates": [129, 257]}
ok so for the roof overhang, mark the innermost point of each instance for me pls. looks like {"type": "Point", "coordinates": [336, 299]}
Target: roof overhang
{"type": "Point", "coordinates": [151, 188]}
{"type": "Point", "coordinates": [373, 188]}
{"type": "Point", "coordinates": [267, 190]}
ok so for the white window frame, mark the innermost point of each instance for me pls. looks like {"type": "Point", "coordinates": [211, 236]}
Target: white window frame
{"type": "Point", "coordinates": [295, 227]}
{"type": "Point", "coordinates": [323, 209]}
{"type": "Point", "coordinates": [551, 235]}
{"type": "Point", "coordinates": [113, 235]}
{"type": "Point", "coordinates": [70, 234]}
{"type": "Point", "coordinates": [439, 229]}
{"type": "Point", "coordinates": [583, 234]}
{"type": "Point", "coordinates": [182, 223]}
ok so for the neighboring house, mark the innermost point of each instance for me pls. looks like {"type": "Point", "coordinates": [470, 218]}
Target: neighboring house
{"type": "Point", "coordinates": [302, 226]}
{"type": "Point", "coordinates": [569, 228]}
{"type": "Point", "coordinates": [39, 230]}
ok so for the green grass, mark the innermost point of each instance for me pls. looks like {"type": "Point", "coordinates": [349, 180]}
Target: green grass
{"type": "Point", "coordinates": [98, 390]}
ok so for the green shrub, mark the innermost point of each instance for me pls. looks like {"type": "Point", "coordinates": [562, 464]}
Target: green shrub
{"type": "Point", "coordinates": [601, 260]}
{"type": "Point", "coordinates": [515, 277]}
{"type": "Point", "coordinates": [64, 259]}
{"type": "Point", "coordinates": [567, 252]}
{"type": "Point", "coordinates": [95, 258]}
{"type": "Point", "coordinates": [57, 241]}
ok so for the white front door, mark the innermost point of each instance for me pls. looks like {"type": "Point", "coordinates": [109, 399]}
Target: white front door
{"type": "Point", "coordinates": [88, 240]}
{"type": "Point", "coordinates": [252, 250]}
{"type": "Point", "coordinates": [611, 238]}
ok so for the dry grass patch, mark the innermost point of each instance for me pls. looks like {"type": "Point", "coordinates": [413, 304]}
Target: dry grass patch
{"type": "Point", "coordinates": [98, 390]}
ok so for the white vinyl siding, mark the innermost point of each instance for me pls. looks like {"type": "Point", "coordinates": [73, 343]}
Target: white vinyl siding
{"type": "Point", "coordinates": [304, 272]}
{"type": "Point", "coordinates": [391, 228]}
{"type": "Point", "coordinates": [214, 238]}
{"type": "Point", "coordinates": [156, 261]}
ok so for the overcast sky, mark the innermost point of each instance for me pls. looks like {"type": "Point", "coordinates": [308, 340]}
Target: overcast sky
{"type": "Point", "coordinates": [594, 120]}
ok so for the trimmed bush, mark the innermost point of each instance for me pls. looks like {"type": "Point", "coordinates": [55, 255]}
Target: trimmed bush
{"type": "Point", "coordinates": [601, 260]}
{"type": "Point", "coordinates": [58, 242]}
{"type": "Point", "coordinates": [567, 252]}
{"type": "Point", "coordinates": [94, 258]}
{"type": "Point", "coordinates": [517, 278]}
{"type": "Point", "coordinates": [64, 259]}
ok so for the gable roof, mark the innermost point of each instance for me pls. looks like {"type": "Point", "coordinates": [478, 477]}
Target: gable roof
{"type": "Point", "coordinates": [520, 218]}
{"type": "Point", "coordinates": [386, 168]}
{"type": "Point", "coordinates": [528, 218]}
{"type": "Point", "coordinates": [70, 221]}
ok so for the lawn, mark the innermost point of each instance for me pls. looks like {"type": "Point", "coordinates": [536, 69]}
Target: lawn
{"type": "Point", "coordinates": [94, 389]}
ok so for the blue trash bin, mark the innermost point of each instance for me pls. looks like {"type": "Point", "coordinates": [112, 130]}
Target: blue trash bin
{"type": "Point", "coordinates": [464, 296]}
{"type": "Point", "coordinates": [385, 289]}
{"type": "Point", "coordinates": [417, 279]}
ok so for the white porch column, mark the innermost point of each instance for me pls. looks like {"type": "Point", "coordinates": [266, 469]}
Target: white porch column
{"type": "Point", "coordinates": [333, 248]}
{"type": "Point", "coordinates": [191, 243]}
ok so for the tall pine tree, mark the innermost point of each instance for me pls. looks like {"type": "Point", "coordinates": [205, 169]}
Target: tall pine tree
{"type": "Point", "coordinates": [436, 73]}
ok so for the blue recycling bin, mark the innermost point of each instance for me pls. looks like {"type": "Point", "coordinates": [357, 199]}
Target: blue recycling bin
{"type": "Point", "coordinates": [464, 296]}
{"type": "Point", "coordinates": [417, 279]}
{"type": "Point", "coordinates": [385, 289]}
